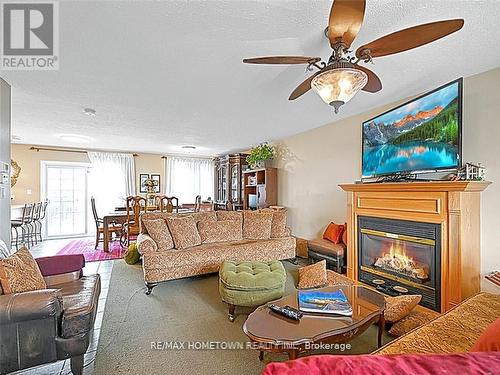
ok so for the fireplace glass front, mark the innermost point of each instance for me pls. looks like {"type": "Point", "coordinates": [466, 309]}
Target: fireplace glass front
{"type": "Point", "coordinates": [400, 257]}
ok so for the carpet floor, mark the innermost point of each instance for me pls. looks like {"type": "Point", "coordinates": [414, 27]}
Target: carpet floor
{"type": "Point", "coordinates": [186, 311]}
{"type": "Point", "coordinates": [86, 246]}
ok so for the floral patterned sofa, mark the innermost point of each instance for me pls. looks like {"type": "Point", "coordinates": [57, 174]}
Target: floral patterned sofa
{"type": "Point", "coordinates": [174, 246]}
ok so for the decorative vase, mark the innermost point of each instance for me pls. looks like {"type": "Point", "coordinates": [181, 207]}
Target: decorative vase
{"type": "Point", "coordinates": [259, 164]}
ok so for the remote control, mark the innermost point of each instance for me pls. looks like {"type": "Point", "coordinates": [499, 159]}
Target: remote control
{"type": "Point", "coordinates": [287, 311]}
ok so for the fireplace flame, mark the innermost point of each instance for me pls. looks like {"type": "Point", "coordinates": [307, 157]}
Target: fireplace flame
{"type": "Point", "coordinates": [396, 259]}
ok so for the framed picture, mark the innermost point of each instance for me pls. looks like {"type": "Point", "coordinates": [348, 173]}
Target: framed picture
{"type": "Point", "coordinates": [142, 177]}
{"type": "Point", "coordinates": [156, 177]}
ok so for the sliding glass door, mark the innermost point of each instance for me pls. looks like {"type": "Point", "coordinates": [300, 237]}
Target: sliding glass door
{"type": "Point", "coordinates": [64, 185]}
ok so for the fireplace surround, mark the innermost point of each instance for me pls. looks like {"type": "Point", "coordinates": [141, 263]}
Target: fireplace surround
{"type": "Point", "coordinates": [401, 257]}
{"type": "Point", "coordinates": [454, 206]}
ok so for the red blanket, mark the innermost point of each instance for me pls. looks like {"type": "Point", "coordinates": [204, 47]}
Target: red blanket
{"type": "Point", "coordinates": [418, 364]}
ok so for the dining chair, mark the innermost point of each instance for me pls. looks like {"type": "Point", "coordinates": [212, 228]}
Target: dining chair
{"type": "Point", "coordinates": [136, 205]}
{"type": "Point", "coordinates": [167, 204]}
{"type": "Point", "coordinates": [197, 203]}
{"type": "Point", "coordinates": [99, 225]}
{"type": "Point", "coordinates": [22, 224]}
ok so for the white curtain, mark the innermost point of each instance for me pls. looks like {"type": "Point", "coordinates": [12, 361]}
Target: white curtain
{"type": "Point", "coordinates": [111, 179]}
{"type": "Point", "coordinates": [189, 177]}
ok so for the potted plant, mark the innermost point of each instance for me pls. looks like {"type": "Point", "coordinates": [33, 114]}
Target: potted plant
{"type": "Point", "coordinates": [259, 154]}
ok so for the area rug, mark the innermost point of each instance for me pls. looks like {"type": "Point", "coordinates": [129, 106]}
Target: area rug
{"type": "Point", "coordinates": [86, 247]}
{"type": "Point", "coordinates": [137, 329]}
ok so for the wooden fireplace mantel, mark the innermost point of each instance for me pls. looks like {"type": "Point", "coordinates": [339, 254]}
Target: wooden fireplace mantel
{"type": "Point", "coordinates": [453, 204]}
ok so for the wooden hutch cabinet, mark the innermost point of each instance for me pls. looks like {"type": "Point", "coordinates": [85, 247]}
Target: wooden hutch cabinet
{"type": "Point", "coordinates": [228, 181]}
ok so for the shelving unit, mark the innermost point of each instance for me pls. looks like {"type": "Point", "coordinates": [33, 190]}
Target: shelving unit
{"type": "Point", "coordinates": [260, 188]}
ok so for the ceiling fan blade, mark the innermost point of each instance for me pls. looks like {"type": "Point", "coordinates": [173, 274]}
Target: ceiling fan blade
{"type": "Point", "coordinates": [346, 18]}
{"type": "Point", "coordinates": [303, 87]}
{"type": "Point", "coordinates": [282, 60]}
{"type": "Point", "coordinates": [412, 37]}
{"type": "Point", "coordinates": [373, 84]}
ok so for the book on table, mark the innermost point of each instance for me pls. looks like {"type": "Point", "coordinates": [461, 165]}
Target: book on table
{"type": "Point", "coordinates": [317, 301]}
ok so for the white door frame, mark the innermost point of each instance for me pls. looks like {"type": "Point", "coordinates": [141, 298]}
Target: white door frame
{"type": "Point", "coordinates": [43, 191]}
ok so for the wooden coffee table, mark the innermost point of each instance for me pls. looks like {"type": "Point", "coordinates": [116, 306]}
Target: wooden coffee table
{"type": "Point", "coordinates": [273, 333]}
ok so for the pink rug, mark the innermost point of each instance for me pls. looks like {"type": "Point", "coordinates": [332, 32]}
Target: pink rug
{"type": "Point", "coordinates": [86, 247]}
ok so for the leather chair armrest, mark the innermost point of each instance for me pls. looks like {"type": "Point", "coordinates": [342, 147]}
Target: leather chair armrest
{"type": "Point", "coordinates": [34, 305]}
{"type": "Point", "coordinates": [59, 264]}
{"type": "Point", "coordinates": [145, 244]}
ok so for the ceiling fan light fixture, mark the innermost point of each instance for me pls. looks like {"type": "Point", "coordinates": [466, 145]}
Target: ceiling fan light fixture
{"type": "Point", "coordinates": [339, 85]}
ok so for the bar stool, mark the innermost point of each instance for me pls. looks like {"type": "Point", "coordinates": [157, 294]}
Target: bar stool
{"type": "Point", "coordinates": [23, 224]}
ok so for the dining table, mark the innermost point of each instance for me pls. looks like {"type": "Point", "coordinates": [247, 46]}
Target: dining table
{"type": "Point", "coordinates": [120, 217]}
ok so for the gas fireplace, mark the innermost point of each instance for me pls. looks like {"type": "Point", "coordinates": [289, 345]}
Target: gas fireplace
{"type": "Point", "coordinates": [401, 257]}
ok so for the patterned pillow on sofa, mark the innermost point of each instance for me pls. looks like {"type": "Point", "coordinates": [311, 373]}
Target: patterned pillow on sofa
{"type": "Point", "coordinates": [229, 215]}
{"type": "Point", "coordinates": [220, 231]}
{"type": "Point", "coordinates": [257, 225]}
{"type": "Point", "coordinates": [158, 231]}
{"type": "Point", "coordinates": [278, 224]}
{"type": "Point", "coordinates": [204, 216]}
{"type": "Point", "coordinates": [396, 308]}
{"type": "Point", "coordinates": [20, 273]}
{"type": "Point", "coordinates": [184, 232]}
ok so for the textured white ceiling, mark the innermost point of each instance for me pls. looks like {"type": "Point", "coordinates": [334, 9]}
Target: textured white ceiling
{"type": "Point", "coordinates": [169, 73]}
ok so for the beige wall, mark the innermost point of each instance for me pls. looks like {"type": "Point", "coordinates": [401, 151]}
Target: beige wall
{"type": "Point", "coordinates": [312, 164]}
{"type": "Point", "coordinates": [30, 162]}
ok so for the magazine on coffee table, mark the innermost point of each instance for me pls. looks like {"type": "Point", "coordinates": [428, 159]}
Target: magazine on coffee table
{"type": "Point", "coordinates": [317, 301]}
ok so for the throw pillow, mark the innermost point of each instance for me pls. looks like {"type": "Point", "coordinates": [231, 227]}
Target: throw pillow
{"type": "Point", "coordinates": [184, 232]}
{"type": "Point", "coordinates": [257, 225]}
{"type": "Point", "coordinates": [229, 215]}
{"type": "Point", "coordinates": [396, 308]}
{"type": "Point", "coordinates": [132, 256]}
{"type": "Point", "coordinates": [336, 279]}
{"type": "Point", "coordinates": [220, 231]}
{"type": "Point", "coordinates": [344, 234]}
{"type": "Point", "coordinates": [278, 224]}
{"type": "Point", "coordinates": [413, 320]}
{"type": "Point", "coordinates": [20, 273]}
{"type": "Point", "coordinates": [333, 232]}
{"type": "Point", "coordinates": [489, 341]}
{"type": "Point", "coordinates": [204, 216]}
{"type": "Point", "coordinates": [158, 231]}
{"type": "Point", "coordinates": [313, 276]}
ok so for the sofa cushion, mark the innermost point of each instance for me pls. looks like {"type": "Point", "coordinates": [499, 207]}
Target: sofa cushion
{"type": "Point", "coordinates": [20, 273]}
{"type": "Point", "coordinates": [158, 231]}
{"type": "Point", "coordinates": [313, 276]}
{"type": "Point", "coordinates": [333, 232]}
{"type": "Point", "coordinates": [257, 225]}
{"type": "Point", "coordinates": [322, 246]}
{"type": "Point", "coordinates": [204, 216]}
{"type": "Point", "coordinates": [489, 341]}
{"type": "Point", "coordinates": [184, 232]}
{"type": "Point", "coordinates": [413, 320]}
{"type": "Point", "coordinates": [229, 215]}
{"type": "Point", "coordinates": [396, 308]}
{"type": "Point", "coordinates": [278, 223]}
{"type": "Point", "coordinates": [207, 258]}
{"type": "Point", "coordinates": [80, 299]}
{"type": "Point", "coordinates": [455, 331]}
{"type": "Point", "coordinates": [220, 231]}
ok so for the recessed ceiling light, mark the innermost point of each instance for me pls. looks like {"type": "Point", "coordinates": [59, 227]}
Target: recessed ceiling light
{"type": "Point", "coordinates": [189, 147]}
{"type": "Point", "coordinates": [89, 111]}
{"type": "Point", "coordinates": [75, 138]}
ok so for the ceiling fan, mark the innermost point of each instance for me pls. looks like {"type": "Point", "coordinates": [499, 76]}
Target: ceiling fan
{"type": "Point", "coordinates": [337, 81]}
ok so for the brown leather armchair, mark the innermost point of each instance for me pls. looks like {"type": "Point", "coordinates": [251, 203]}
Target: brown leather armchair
{"type": "Point", "coordinates": [52, 324]}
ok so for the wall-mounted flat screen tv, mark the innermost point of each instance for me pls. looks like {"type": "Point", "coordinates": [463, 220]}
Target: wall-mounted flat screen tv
{"type": "Point", "coordinates": [423, 135]}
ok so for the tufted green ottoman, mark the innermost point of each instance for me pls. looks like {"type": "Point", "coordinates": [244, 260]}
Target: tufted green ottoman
{"type": "Point", "coordinates": [250, 283]}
